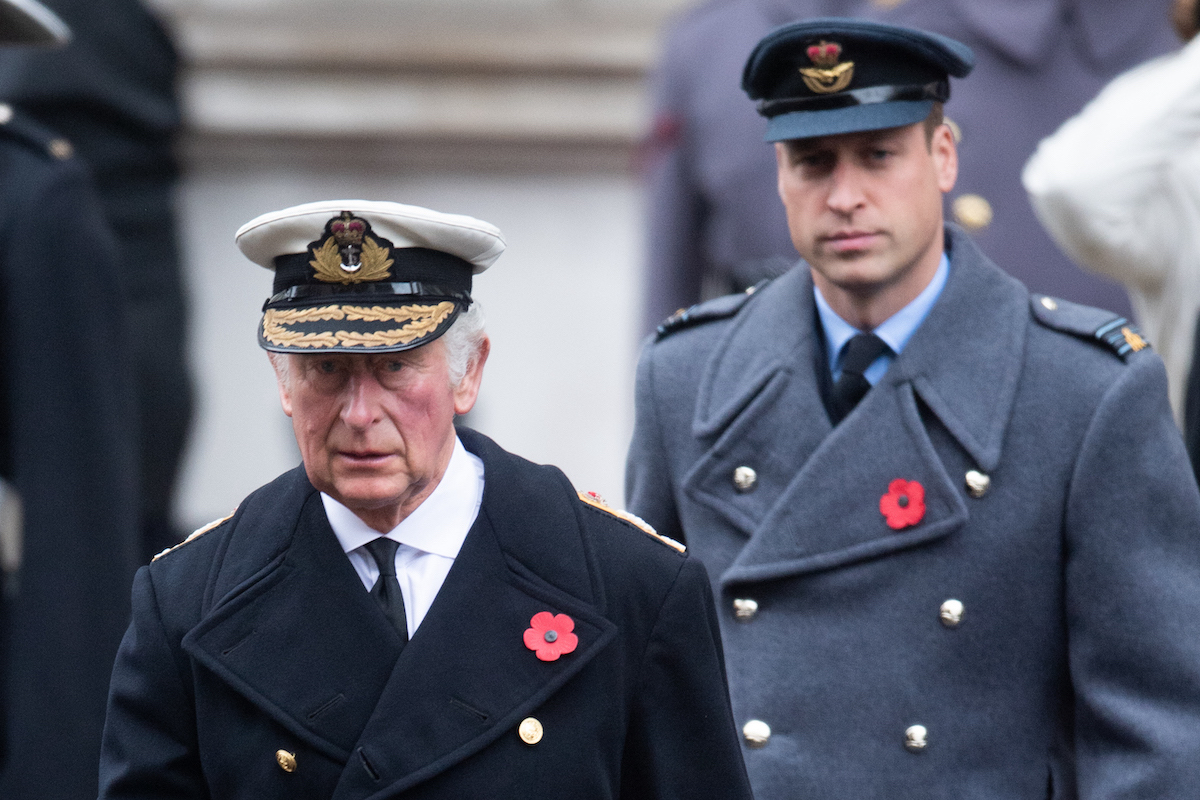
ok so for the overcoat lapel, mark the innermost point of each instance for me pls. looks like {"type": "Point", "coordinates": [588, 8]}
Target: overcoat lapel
{"type": "Point", "coordinates": [816, 502]}
{"type": "Point", "coordinates": [466, 677]}
{"type": "Point", "coordinates": [760, 401]}
{"type": "Point", "coordinates": [302, 639]}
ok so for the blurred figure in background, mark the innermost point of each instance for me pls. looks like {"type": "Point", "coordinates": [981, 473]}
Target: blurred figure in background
{"type": "Point", "coordinates": [67, 452]}
{"type": "Point", "coordinates": [715, 224]}
{"type": "Point", "coordinates": [1118, 187]}
{"type": "Point", "coordinates": [111, 94]}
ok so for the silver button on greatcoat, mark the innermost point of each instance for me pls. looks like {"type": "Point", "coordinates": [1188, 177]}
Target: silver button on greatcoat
{"type": "Point", "coordinates": [951, 613]}
{"type": "Point", "coordinates": [757, 733]}
{"type": "Point", "coordinates": [744, 609]}
{"type": "Point", "coordinates": [745, 479]}
{"type": "Point", "coordinates": [916, 738]}
{"type": "Point", "coordinates": [977, 483]}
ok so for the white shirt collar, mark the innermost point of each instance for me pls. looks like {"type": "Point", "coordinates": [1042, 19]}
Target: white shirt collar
{"type": "Point", "coordinates": [439, 525]}
{"type": "Point", "coordinates": [895, 331]}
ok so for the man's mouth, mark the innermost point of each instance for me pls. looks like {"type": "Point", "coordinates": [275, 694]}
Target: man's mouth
{"type": "Point", "coordinates": [850, 240]}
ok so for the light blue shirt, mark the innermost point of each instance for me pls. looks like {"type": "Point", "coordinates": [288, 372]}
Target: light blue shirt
{"type": "Point", "coordinates": [895, 331]}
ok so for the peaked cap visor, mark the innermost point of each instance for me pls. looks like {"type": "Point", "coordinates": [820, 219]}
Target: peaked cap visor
{"type": "Point", "coordinates": [30, 22]}
{"type": "Point", "coordinates": [913, 63]}
{"type": "Point", "coordinates": [417, 295]}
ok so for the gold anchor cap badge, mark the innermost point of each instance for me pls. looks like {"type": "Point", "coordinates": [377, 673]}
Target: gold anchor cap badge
{"type": "Point", "coordinates": [828, 75]}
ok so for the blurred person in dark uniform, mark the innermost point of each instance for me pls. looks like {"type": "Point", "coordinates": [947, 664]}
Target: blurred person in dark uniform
{"type": "Point", "coordinates": [714, 221]}
{"type": "Point", "coordinates": [111, 94]}
{"type": "Point", "coordinates": [67, 452]}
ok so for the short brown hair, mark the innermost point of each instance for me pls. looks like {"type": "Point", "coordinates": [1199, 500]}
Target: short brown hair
{"type": "Point", "coordinates": [936, 117]}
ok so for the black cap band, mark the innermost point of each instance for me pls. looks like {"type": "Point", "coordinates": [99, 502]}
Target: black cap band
{"type": "Point", "coordinates": [407, 291]}
{"type": "Point", "coordinates": [936, 90]}
{"type": "Point", "coordinates": [419, 264]}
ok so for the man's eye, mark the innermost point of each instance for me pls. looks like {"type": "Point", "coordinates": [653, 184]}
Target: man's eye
{"type": "Point", "coordinates": [327, 367]}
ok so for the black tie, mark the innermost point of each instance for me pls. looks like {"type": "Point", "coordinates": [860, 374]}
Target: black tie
{"type": "Point", "coordinates": [386, 590]}
{"type": "Point", "coordinates": [858, 354]}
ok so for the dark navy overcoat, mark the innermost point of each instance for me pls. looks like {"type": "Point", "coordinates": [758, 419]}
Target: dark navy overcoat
{"type": "Point", "coordinates": [1072, 666]}
{"type": "Point", "coordinates": [258, 638]}
{"type": "Point", "coordinates": [67, 444]}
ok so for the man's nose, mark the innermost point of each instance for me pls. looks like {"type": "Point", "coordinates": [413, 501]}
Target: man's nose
{"type": "Point", "coordinates": [845, 188]}
{"type": "Point", "coordinates": [360, 403]}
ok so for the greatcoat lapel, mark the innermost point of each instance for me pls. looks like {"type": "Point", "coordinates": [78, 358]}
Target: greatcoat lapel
{"type": "Point", "coordinates": [816, 502]}
{"type": "Point", "coordinates": [302, 639]}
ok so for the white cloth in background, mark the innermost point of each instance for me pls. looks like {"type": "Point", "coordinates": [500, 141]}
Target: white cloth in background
{"type": "Point", "coordinates": [1118, 187]}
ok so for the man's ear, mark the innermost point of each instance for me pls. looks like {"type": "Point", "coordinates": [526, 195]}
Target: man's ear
{"type": "Point", "coordinates": [945, 157]}
{"type": "Point", "coordinates": [467, 391]}
{"type": "Point", "coordinates": [282, 377]}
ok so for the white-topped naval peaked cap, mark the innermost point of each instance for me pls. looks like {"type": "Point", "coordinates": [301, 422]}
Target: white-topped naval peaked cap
{"type": "Point", "coordinates": [292, 230]}
{"type": "Point", "coordinates": [362, 275]}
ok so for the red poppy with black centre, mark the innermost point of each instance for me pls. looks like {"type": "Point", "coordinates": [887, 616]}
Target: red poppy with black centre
{"type": "Point", "coordinates": [903, 505]}
{"type": "Point", "coordinates": [550, 636]}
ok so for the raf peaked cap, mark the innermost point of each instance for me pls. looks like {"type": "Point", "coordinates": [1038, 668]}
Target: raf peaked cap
{"type": "Point", "coordinates": [30, 22]}
{"type": "Point", "coordinates": [354, 275]}
{"type": "Point", "coordinates": [832, 75]}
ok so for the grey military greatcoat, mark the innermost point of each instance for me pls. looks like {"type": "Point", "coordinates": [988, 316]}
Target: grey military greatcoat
{"type": "Point", "coordinates": [1035, 633]}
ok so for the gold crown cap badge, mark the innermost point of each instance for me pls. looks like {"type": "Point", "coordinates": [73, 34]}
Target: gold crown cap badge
{"type": "Point", "coordinates": [828, 75]}
{"type": "Point", "coordinates": [349, 254]}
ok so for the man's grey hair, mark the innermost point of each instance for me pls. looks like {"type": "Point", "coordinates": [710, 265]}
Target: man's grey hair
{"type": "Point", "coordinates": [463, 342]}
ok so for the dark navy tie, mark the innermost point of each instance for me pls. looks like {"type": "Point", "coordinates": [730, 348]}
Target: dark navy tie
{"type": "Point", "coordinates": [857, 354]}
{"type": "Point", "coordinates": [386, 590]}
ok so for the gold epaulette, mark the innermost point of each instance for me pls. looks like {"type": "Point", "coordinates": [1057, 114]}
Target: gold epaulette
{"type": "Point", "coordinates": [596, 501]}
{"type": "Point", "coordinates": [196, 534]}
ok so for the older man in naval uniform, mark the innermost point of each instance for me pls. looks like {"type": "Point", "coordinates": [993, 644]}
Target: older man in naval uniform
{"type": "Point", "coordinates": [954, 540]}
{"type": "Point", "coordinates": [413, 612]}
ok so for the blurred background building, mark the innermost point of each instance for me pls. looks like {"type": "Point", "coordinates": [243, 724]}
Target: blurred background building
{"type": "Point", "coordinates": [526, 113]}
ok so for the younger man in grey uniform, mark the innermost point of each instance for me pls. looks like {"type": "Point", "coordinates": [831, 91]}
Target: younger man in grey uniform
{"type": "Point", "coordinates": [951, 527]}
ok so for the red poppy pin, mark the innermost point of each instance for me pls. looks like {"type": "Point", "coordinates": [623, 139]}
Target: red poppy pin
{"type": "Point", "coordinates": [549, 635]}
{"type": "Point", "coordinates": [904, 504]}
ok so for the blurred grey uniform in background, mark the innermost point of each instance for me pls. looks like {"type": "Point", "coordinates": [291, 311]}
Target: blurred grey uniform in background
{"type": "Point", "coordinates": [67, 458]}
{"type": "Point", "coordinates": [111, 94]}
{"type": "Point", "coordinates": [713, 215]}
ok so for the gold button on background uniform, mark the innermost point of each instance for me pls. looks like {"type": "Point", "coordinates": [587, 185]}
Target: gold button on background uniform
{"type": "Point", "coordinates": [286, 760]}
{"type": "Point", "coordinates": [744, 479]}
{"type": "Point", "coordinates": [530, 731]}
{"type": "Point", "coordinates": [972, 212]}
{"type": "Point", "coordinates": [61, 149]}
{"type": "Point", "coordinates": [756, 732]}
{"type": "Point", "coordinates": [951, 613]}
{"type": "Point", "coordinates": [916, 738]}
{"type": "Point", "coordinates": [744, 608]}
{"type": "Point", "coordinates": [977, 483]}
